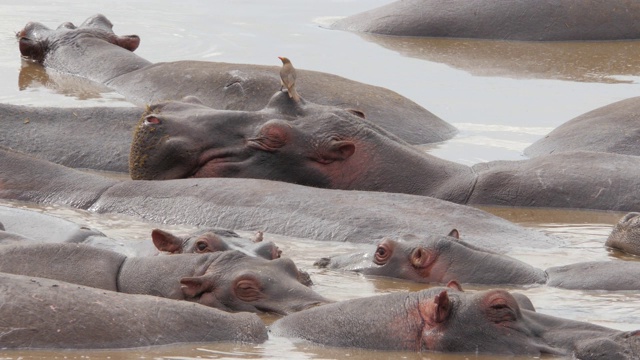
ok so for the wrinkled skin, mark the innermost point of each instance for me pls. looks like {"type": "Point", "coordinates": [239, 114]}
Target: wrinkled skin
{"type": "Point", "coordinates": [441, 259]}
{"type": "Point", "coordinates": [226, 280]}
{"type": "Point", "coordinates": [337, 149]}
{"type": "Point", "coordinates": [93, 51]}
{"type": "Point", "coordinates": [79, 317]}
{"type": "Point", "coordinates": [449, 320]}
{"type": "Point", "coordinates": [543, 20]}
{"type": "Point", "coordinates": [259, 205]}
{"type": "Point", "coordinates": [625, 235]}
{"type": "Point", "coordinates": [614, 128]}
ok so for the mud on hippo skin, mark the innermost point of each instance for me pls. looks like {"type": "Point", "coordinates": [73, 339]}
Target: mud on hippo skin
{"type": "Point", "coordinates": [93, 51]}
{"type": "Point", "coordinates": [543, 20]}
{"type": "Point", "coordinates": [227, 280]}
{"type": "Point", "coordinates": [38, 313]}
{"type": "Point", "coordinates": [450, 320]}
{"type": "Point", "coordinates": [441, 259]}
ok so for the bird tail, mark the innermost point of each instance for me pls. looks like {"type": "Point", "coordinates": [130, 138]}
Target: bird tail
{"type": "Point", "coordinates": [293, 94]}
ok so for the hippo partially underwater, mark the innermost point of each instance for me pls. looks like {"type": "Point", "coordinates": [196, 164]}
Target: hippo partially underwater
{"type": "Point", "coordinates": [38, 313]}
{"type": "Point", "coordinates": [541, 20]}
{"type": "Point", "coordinates": [227, 280]}
{"type": "Point", "coordinates": [94, 52]}
{"type": "Point", "coordinates": [451, 320]}
{"type": "Point", "coordinates": [440, 259]}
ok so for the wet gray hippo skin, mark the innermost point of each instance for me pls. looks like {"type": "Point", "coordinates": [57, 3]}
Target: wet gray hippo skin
{"type": "Point", "coordinates": [82, 51]}
{"type": "Point", "coordinates": [441, 259]}
{"type": "Point", "coordinates": [614, 128]}
{"type": "Point", "coordinates": [546, 20]}
{"type": "Point", "coordinates": [259, 205]}
{"type": "Point", "coordinates": [43, 228]}
{"type": "Point", "coordinates": [91, 138]}
{"type": "Point", "coordinates": [334, 148]}
{"type": "Point", "coordinates": [80, 317]}
{"type": "Point", "coordinates": [226, 280]}
{"type": "Point", "coordinates": [449, 320]}
{"type": "Point", "coordinates": [625, 235]}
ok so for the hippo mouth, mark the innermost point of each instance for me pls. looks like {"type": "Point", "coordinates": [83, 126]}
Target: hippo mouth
{"type": "Point", "coordinates": [212, 162]}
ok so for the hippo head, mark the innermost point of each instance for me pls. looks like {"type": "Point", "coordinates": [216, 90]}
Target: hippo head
{"type": "Point", "coordinates": [36, 40]}
{"type": "Point", "coordinates": [213, 240]}
{"type": "Point", "coordinates": [237, 282]}
{"type": "Point", "coordinates": [441, 320]}
{"type": "Point", "coordinates": [625, 235]}
{"type": "Point", "coordinates": [304, 143]}
{"type": "Point", "coordinates": [437, 259]}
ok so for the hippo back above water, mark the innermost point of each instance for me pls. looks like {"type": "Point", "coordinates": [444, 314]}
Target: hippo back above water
{"type": "Point", "coordinates": [541, 20]}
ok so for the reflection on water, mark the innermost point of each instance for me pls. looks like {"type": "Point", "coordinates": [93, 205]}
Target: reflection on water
{"type": "Point", "coordinates": [605, 62]}
{"type": "Point", "coordinates": [585, 230]}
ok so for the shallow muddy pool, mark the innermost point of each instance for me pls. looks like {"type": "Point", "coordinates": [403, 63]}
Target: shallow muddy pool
{"type": "Point", "coordinates": [502, 96]}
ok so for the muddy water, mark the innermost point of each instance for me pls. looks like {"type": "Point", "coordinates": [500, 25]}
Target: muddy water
{"type": "Point", "coordinates": [501, 96]}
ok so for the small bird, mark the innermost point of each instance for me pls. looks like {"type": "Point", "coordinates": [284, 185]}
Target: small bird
{"type": "Point", "coordinates": [288, 78]}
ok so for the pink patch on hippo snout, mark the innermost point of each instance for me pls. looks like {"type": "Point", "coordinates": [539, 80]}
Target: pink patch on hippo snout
{"type": "Point", "coordinates": [151, 120]}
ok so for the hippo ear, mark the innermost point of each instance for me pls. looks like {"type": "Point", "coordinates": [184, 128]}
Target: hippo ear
{"type": "Point", "coordinates": [165, 241]}
{"type": "Point", "coordinates": [454, 284]}
{"type": "Point", "coordinates": [438, 310]}
{"type": "Point", "coordinates": [337, 150]}
{"type": "Point", "coordinates": [454, 233]}
{"type": "Point", "coordinates": [129, 42]}
{"type": "Point", "coordinates": [193, 287]}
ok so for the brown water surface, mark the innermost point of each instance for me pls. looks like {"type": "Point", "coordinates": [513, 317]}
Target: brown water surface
{"type": "Point", "coordinates": [501, 96]}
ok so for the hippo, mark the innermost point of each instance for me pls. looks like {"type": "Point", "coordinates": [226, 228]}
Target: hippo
{"type": "Point", "coordinates": [40, 227]}
{"type": "Point", "coordinates": [546, 20]}
{"type": "Point", "coordinates": [337, 149]}
{"type": "Point", "coordinates": [212, 240]}
{"type": "Point", "coordinates": [441, 259]}
{"type": "Point", "coordinates": [38, 313]}
{"type": "Point", "coordinates": [625, 235]}
{"type": "Point", "coordinates": [226, 280]}
{"type": "Point", "coordinates": [453, 321]}
{"type": "Point", "coordinates": [93, 51]}
{"type": "Point", "coordinates": [613, 128]}
{"type": "Point", "coordinates": [34, 227]}
{"type": "Point", "coordinates": [259, 205]}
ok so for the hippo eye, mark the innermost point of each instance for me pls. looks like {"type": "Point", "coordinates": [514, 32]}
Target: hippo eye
{"type": "Point", "coordinates": [248, 290]}
{"type": "Point", "coordinates": [151, 120]}
{"type": "Point", "coordinates": [383, 253]}
{"type": "Point", "coordinates": [201, 246]}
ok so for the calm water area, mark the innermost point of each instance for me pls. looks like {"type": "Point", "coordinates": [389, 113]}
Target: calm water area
{"type": "Point", "coordinates": [502, 96]}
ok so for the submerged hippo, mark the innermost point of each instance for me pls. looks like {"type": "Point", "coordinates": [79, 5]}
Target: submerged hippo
{"type": "Point", "coordinates": [227, 280]}
{"type": "Point", "coordinates": [441, 259]}
{"type": "Point", "coordinates": [614, 128]}
{"type": "Point", "coordinates": [450, 320]}
{"type": "Point", "coordinates": [39, 313]}
{"type": "Point", "coordinates": [542, 20]}
{"type": "Point", "coordinates": [320, 146]}
{"type": "Point", "coordinates": [93, 51]}
{"type": "Point", "coordinates": [625, 235]}
{"type": "Point", "coordinates": [212, 240]}
{"type": "Point", "coordinates": [252, 205]}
